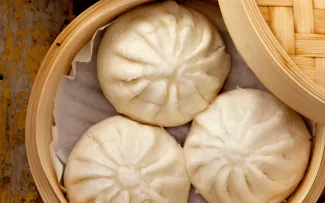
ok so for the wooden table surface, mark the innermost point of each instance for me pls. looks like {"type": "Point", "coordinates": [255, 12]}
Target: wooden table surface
{"type": "Point", "coordinates": [27, 29]}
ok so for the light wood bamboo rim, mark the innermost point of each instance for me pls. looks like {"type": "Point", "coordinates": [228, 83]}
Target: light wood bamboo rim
{"type": "Point", "coordinates": [57, 63]}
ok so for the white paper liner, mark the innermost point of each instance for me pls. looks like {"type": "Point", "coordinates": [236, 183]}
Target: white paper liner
{"type": "Point", "coordinates": [79, 101]}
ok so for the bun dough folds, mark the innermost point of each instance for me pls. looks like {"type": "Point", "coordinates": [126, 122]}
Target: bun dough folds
{"type": "Point", "coordinates": [162, 64]}
{"type": "Point", "coordinates": [247, 147]}
{"type": "Point", "coordinates": [122, 161]}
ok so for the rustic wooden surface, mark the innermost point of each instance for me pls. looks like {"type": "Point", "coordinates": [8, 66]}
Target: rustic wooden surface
{"type": "Point", "coordinates": [27, 29]}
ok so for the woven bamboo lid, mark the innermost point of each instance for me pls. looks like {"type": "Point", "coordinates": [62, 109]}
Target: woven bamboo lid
{"type": "Point", "coordinates": [299, 26]}
{"type": "Point", "coordinates": [283, 42]}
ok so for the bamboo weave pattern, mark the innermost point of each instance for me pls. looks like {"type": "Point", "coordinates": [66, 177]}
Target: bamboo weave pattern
{"type": "Point", "coordinates": [299, 26]}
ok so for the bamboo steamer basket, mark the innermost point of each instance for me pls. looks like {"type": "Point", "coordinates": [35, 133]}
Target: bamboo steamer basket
{"type": "Point", "coordinates": [58, 62]}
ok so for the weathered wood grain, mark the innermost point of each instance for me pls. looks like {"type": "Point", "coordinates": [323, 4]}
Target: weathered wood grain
{"type": "Point", "coordinates": [27, 28]}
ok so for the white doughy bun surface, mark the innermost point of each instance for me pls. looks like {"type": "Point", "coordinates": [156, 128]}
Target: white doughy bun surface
{"type": "Point", "coordinates": [247, 147]}
{"type": "Point", "coordinates": [122, 161]}
{"type": "Point", "coordinates": [162, 64]}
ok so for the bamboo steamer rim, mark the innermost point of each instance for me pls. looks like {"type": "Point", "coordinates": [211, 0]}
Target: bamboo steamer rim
{"type": "Point", "coordinates": [57, 62]}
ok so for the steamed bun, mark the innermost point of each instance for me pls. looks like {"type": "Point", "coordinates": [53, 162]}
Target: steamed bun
{"type": "Point", "coordinates": [162, 64]}
{"type": "Point", "coordinates": [122, 161]}
{"type": "Point", "coordinates": [247, 147]}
